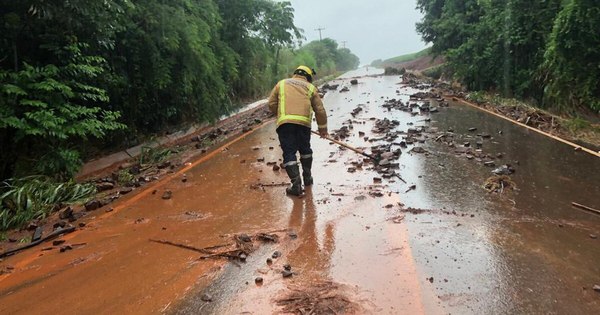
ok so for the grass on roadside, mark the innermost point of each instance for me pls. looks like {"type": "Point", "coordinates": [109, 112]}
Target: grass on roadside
{"type": "Point", "coordinates": [408, 57]}
{"type": "Point", "coordinates": [573, 127]}
{"type": "Point", "coordinates": [35, 197]}
{"type": "Point", "coordinates": [154, 155]}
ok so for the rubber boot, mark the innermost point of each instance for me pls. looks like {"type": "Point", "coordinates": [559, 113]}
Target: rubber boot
{"type": "Point", "coordinates": [293, 172]}
{"type": "Point", "coordinates": [306, 173]}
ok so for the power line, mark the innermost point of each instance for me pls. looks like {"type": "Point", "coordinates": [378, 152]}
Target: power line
{"type": "Point", "coordinates": [344, 44]}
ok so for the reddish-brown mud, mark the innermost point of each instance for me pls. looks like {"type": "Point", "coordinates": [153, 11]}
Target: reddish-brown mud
{"type": "Point", "coordinates": [439, 243]}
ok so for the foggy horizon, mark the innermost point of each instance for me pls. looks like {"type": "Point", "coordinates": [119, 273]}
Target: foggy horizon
{"type": "Point", "coordinates": [381, 30]}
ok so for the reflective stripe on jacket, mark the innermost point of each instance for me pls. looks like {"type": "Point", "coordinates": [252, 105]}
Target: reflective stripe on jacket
{"type": "Point", "coordinates": [294, 101]}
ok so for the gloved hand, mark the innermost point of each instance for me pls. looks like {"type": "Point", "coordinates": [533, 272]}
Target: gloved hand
{"type": "Point", "coordinates": [323, 133]}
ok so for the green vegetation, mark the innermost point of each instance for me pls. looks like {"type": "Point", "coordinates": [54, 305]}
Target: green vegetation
{"type": "Point", "coordinates": [434, 72]}
{"type": "Point", "coordinates": [402, 58]}
{"type": "Point", "coordinates": [86, 76]}
{"type": "Point", "coordinates": [544, 50]}
{"type": "Point", "coordinates": [29, 198]}
{"type": "Point", "coordinates": [153, 155]}
{"type": "Point", "coordinates": [577, 124]}
{"type": "Point", "coordinates": [324, 55]}
{"type": "Point", "coordinates": [124, 177]}
{"type": "Point", "coordinates": [81, 76]}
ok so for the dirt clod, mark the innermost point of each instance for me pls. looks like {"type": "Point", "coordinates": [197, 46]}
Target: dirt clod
{"type": "Point", "coordinates": [66, 213]}
{"type": "Point", "coordinates": [167, 195]}
{"type": "Point", "coordinates": [244, 238]}
{"type": "Point", "coordinates": [206, 297]}
{"type": "Point", "coordinates": [287, 273]}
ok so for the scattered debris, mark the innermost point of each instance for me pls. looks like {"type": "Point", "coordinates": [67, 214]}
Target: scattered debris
{"type": "Point", "coordinates": [242, 246]}
{"type": "Point", "coordinates": [505, 169]}
{"type": "Point", "coordinates": [272, 238]}
{"type": "Point", "coordinates": [397, 219]}
{"type": "Point", "coordinates": [328, 86]}
{"type": "Point", "coordinates": [418, 150]}
{"type": "Point", "coordinates": [48, 237]}
{"type": "Point", "coordinates": [324, 297]}
{"type": "Point", "coordinates": [498, 183]}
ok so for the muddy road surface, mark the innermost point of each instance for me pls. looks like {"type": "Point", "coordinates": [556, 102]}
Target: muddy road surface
{"type": "Point", "coordinates": [360, 241]}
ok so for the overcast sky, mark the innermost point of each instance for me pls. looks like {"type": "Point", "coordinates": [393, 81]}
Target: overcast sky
{"type": "Point", "coordinates": [376, 29]}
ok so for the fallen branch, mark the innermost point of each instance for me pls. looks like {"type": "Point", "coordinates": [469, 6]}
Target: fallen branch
{"type": "Point", "coordinates": [273, 238]}
{"type": "Point", "coordinates": [276, 231]}
{"type": "Point", "coordinates": [232, 254]}
{"type": "Point", "coordinates": [400, 178]}
{"type": "Point", "coordinates": [259, 185]}
{"type": "Point", "coordinates": [200, 250]}
{"type": "Point", "coordinates": [580, 206]}
{"type": "Point", "coordinates": [32, 244]}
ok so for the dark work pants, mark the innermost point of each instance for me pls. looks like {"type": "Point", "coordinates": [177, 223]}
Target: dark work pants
{"type": "Point", "coordinates": [294, 138]}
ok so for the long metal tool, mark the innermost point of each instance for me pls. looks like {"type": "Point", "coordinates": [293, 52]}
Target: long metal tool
{"type": "Point", "coordinates": [345, 145]}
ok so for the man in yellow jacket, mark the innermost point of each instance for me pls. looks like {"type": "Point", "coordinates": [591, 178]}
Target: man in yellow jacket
{"type": "Point", "coordinates": [294, 100]}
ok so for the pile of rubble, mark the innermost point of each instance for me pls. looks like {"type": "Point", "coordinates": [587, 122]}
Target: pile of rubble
{"type": "Point", "coordinates": [499, 183]}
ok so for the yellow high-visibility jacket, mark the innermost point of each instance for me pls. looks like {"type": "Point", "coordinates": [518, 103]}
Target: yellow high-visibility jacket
{"type": "Point", "coordinates": [294, 100]}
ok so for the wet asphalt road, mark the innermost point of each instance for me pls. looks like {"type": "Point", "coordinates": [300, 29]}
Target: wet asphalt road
{"type": "Point", "coordinates": [464, 252]}
{"type": "Point", "coordinates": [469, 252]}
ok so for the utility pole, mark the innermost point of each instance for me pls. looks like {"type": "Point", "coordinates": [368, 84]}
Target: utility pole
{"type": "Point", "coordinates": [344, 44]}
{"type": "Point", "coordinates": [320, 29]}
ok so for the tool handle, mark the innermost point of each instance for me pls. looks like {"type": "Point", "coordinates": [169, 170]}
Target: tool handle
{"type": "Point", "coordinates": [344, 145]}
